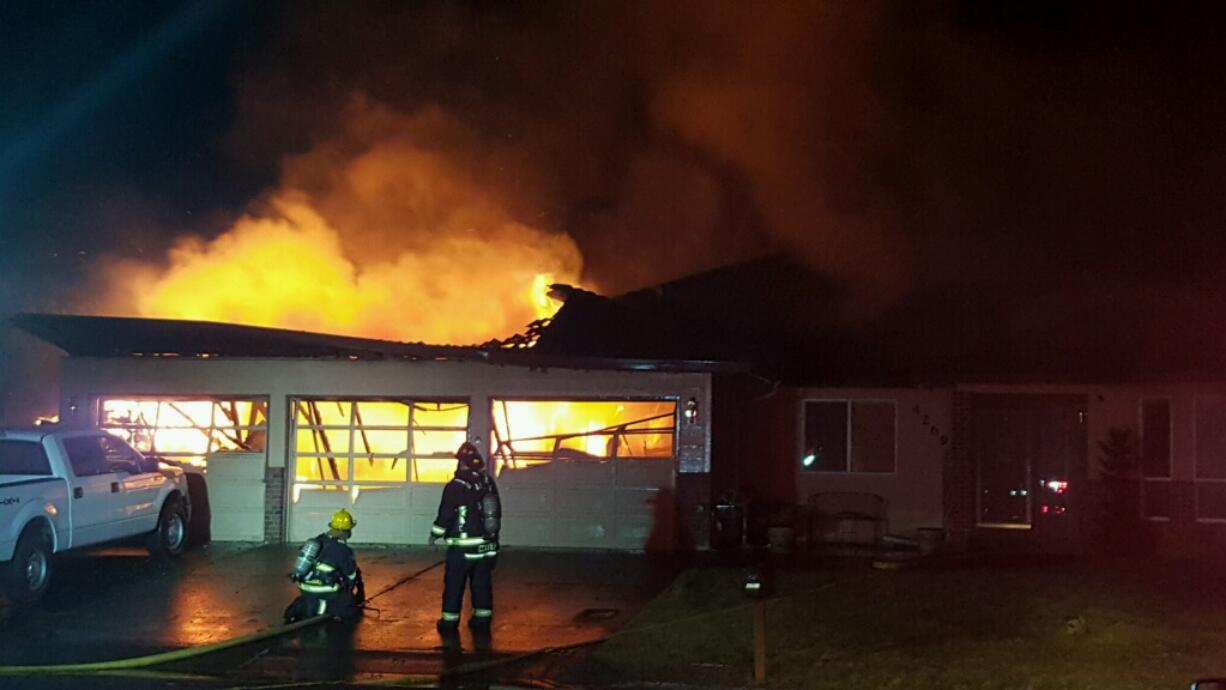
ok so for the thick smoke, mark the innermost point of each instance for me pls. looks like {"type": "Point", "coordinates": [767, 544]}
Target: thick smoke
{"type": "Point", "coordinates": [892, 146]}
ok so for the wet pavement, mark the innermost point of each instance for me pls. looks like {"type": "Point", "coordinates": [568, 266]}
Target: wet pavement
{"type": "Point", "coordinates": [120, 603]}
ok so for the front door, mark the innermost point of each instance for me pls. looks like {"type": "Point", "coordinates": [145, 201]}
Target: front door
{"type": "Point", "coordinates": [1030, 459]}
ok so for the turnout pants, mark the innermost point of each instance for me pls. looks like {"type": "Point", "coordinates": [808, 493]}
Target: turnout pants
{"type": "Point", "coordinates": [465, 567]}
{"type": "Point", "coordinates": [340, 605]}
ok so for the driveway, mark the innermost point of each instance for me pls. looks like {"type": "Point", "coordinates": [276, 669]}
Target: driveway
{"type": "Point", "coordinates": [119, 603]}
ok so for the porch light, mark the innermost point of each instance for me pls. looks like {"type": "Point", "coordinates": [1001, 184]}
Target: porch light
{"type": "Point", "coordinates": [691, 411]}
{"type": "Point", "coordinates": [808, 460]}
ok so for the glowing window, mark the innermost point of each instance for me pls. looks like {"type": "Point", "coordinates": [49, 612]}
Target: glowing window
{"type": "Point", "coordinates": [187, 429]}
{"type": "Point", "coordinates": [529, 433]}
{"type": "Point", "coordinates": [341, 445]}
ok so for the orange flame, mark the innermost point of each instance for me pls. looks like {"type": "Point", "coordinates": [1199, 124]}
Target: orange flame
{"type": "Point", "coordinates": [392, 229]}
{"type": "Point", "coordinates": [289, 270]}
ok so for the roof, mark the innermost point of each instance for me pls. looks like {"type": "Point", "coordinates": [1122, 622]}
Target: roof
{"type": "Point", "coordinates": [789, 320]}
{"type": "Point", "coordinates": [114, 336]}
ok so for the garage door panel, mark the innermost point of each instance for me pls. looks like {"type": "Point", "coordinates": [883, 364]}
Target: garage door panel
{"type": "Point", "coordinates": [380, 516]}
{"type": "Point", "coordinates": [424, 500]}
{"type": "Point", "coordinates": [312, 511]}
{"type": "Point", "coordinates": [631, 502]}
{"type": "Point", "coordinates": [583, 473]}
{"type": "Point", "coordinates": [638, 531]}
{"type": "Point", "coordinates": [526, 500]}
{"type": "Point", "coordinates": [537, 475]}
{"type": "Point", "coordinates": [650, 472]}
{"type": "Point", "coordinates": [585, 501]}
{"type": "Point", "coordinates": [592, 532]}
{"type": "Point", "coordinates": [235, 484]}
{"type": "Point", "coordinates": [528, 530]}
{"type": "Point", "coordinates": [378, 440]}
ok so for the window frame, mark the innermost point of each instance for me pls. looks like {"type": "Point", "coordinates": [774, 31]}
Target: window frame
{"type": "Point", "coordinates": [124, 431]}
{"type": "Point", "coordinates": [849, 403]}
{"type": "Point", "coordinates": [675, 458]}
{"type": "Point", "coordinates": [1170, 454]}
{"type": "Point", "coordinates": [351, 454]}
{"type": "Point", "coordinates": [1198, 480]}
{"type": "Point", "coordinates": [42, 453]}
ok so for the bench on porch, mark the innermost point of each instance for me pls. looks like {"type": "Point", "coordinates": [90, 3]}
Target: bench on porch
{"type": "Point", "coordinates": [845, 518]}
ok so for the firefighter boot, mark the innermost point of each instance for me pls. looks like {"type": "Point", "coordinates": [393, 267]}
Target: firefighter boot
{"type": "Point", "coordinates": [448, 624]}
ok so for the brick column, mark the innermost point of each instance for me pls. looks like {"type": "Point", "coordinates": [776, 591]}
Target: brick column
{"type": "Point", "coordinates": [274, 505]}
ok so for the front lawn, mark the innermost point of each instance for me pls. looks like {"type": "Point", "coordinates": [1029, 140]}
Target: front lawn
{"type": "Point", "coordinates": [1116, 626]}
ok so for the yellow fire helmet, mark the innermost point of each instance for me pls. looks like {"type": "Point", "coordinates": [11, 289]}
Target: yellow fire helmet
{"type": "Point", "coordinates": [342, 520]}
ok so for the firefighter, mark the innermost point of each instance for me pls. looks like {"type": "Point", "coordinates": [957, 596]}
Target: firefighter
{"type": "Point", "coordinates": [468, 522]}
{"type": "Point", "coordinates": [328, 575]}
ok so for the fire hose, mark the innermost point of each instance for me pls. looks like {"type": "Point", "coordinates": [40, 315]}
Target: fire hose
{"type": "Point", "coordinates": [136, 665]}
{"type": "Point", "coordinates": [163, 657]}
{"type": "Point", "coordinates": [143, 662]}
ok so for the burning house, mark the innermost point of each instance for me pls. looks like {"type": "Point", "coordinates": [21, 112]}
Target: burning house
{"type": "Point", "coordinates": [620, 421]}
{"type": "Point", "coordinates": [290, 426]}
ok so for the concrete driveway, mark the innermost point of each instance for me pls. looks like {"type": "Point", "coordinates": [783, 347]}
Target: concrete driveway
{"type": "Point", "coordinates": [119, 603]}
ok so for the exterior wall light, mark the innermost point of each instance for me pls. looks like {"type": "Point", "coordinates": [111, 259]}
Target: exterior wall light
{"type": "Point", "coordinates": [691, 411]}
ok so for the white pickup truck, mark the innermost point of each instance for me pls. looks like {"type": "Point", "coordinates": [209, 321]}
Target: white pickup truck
{"type": "Point", "coordinates": [63, 490]}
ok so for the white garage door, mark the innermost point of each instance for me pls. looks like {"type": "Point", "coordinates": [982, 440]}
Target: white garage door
{"type": "Point", "coordinates": [224, 437]}
{"type": "Point", "coordinates": [579, 474]}
{"type": "Point", "coordinates": [386, 461]}
{"type": "Point", "coordinates": [586, 474]}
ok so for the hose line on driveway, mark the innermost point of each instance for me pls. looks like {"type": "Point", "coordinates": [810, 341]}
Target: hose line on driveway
{"type": "Point", "coordinates": [150, 660]}
{"type": "Point", "coordinates": [163, 657]}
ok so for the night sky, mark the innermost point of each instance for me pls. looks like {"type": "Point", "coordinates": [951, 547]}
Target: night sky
{"type": "Point", "coordinates": [895, 147]}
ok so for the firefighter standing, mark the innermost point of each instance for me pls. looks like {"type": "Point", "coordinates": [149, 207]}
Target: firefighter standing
{"type": "Point", "coordinates": [328, 576]}
{"type": "Point", "coordinates": [468, 521]}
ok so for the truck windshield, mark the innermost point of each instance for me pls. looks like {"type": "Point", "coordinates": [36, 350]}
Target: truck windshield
{"type": "Point", "coordinates": [23, 457]}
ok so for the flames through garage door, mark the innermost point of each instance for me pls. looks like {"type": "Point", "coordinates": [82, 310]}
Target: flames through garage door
{"type": "Point", "coordinates": [386, 460]}
{"type": "Point", "coordinates": [586, 474]}
{"type": "Point", "coordinates": [223, 438]}
{"type": "Point", "coordinates": [572, 473]}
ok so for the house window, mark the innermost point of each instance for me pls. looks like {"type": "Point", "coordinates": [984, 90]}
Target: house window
{"type": "Point", "coordinates": [849, 436]}
{"type": "Point", "coordinates": [187, 429]}
{"type": "Point", "coordinates": [1156, 457]}
{"type": "Point", "coordinates": [352, 444]}
{"type": "Point", "coordinates": [1211, 459]}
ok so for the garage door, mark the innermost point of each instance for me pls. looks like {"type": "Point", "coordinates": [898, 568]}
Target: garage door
{"type": "Point", "coordinates": [586, 474]}
{"type": "Point", "coordinates": [221, 437]}
{"type": "Point", "coordinates": [384, 460]}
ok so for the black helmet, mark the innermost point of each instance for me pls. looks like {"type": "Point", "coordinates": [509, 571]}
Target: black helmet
{"type": "Point", "coordinates": [469, 457]}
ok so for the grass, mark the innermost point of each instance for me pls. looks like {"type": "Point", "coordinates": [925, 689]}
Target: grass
{"type": "Point", "coordinates": [1106, 625]}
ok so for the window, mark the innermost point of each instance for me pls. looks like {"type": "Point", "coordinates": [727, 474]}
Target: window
{"type": "Point", "coordinates": [94, 455]}
{"type": "Point", "coordinates": [23, 458]}
{"type": "Point", "coordinates": [1156, 457]}
{"type": "Point", "coordinates": [530, 433]}
{"type": "Point", "coordinates": [187, 429]}
{"type": "Point", "coordinates": [848, 436]}
{"type": "Point", "coordinates": [1211, 458]}
{"type": "Point", "coordinates": [345, 444]}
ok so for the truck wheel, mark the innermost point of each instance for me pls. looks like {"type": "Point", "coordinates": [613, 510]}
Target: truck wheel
{"type": "Point", "coordinates": [29, 573]}
{"type": "Point", "coordinates": [169, 540]}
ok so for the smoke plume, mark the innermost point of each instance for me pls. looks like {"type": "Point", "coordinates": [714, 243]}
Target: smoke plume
{"type": "Point", "coordinates": [445, 154]}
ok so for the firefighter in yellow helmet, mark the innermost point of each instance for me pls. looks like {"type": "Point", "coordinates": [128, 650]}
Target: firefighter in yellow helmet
{"type": "Point", "coordinates": [327, 575]}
